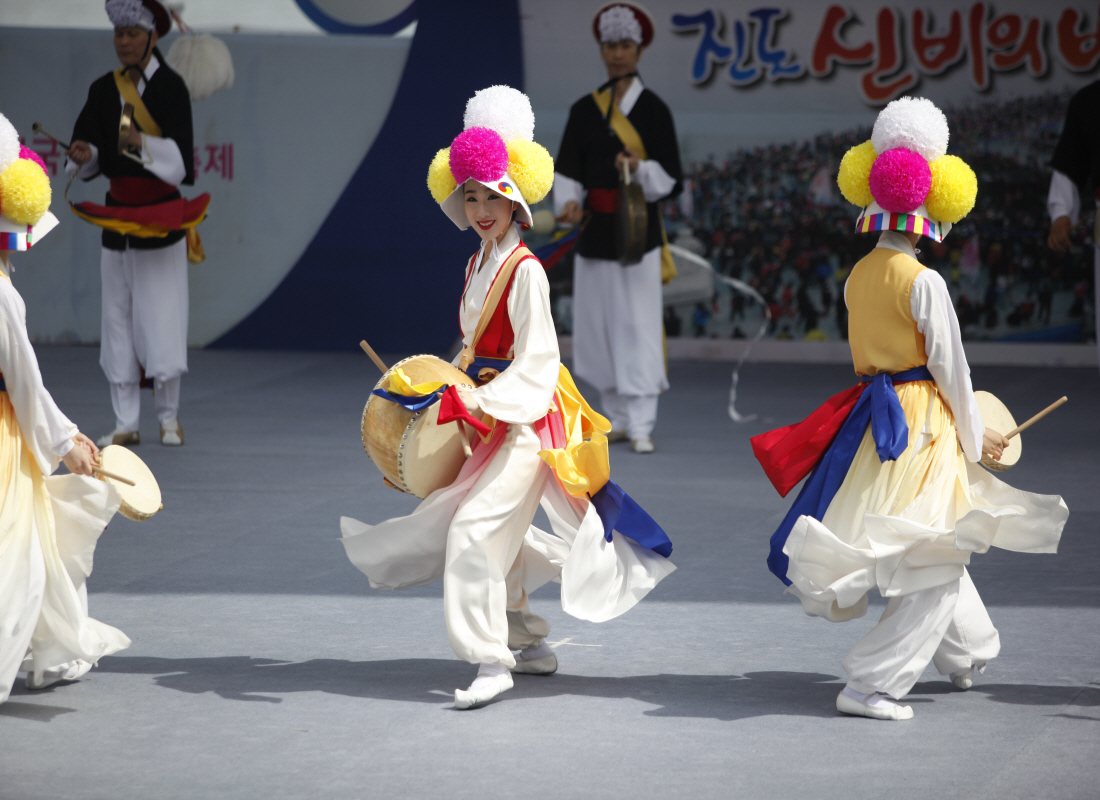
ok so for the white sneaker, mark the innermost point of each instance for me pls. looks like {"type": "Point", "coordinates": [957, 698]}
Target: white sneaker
{"type": "Point", "coordinates": [539, 660]}
{"type": "Point", "coordinates": [66, 672]}
{"type": "Point", "coordinates": [491, 680]}
{"type": "Point", "coordinates": [873, 706]}
{"type": "Point", "coordinates": [171, 433]}
{"type": "Point", "coordinates": [119, 437]}
{"type": "Point", "coordinates": [642, 446]}
{"type": "Point", "coordinates": [963, 679]}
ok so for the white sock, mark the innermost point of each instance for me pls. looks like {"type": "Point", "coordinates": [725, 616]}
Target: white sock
{"type": "Point", "coordinates": [531, 653]}
{"type": "Point", "coordinates": [488, 673]}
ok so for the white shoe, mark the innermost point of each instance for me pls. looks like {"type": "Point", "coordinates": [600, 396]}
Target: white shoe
{"type": "Point", "coordinates": [642, 445]}
{"type": "Point", "coordinates": [171, 433]}
{"type": "Point", "coordinates": [66, 672]}
{"type": "Point", "coordinates": [491, 680]}
{"type": "Point", "coordinates": [963, 679]}
{"type": "Point", "coordinates": [539, 660]}
{"type": "Point", "coordinates": [874, 706]}
{"type": "Point", "coordinates": [119, 437]}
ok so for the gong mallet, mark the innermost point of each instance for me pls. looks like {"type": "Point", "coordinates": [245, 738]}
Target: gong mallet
{"type": "Point", "coordinates": [1036, 418]}
{"type": "Point", "coordinates": [37, 128]}
{"type": "Point", "coordinates": [382, 366]}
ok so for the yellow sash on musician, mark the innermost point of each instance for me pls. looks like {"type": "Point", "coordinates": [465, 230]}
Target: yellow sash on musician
{"type": "Point", "coordinates": [632, 140]}
{"type": "Point", "coordinates": [130, 94]}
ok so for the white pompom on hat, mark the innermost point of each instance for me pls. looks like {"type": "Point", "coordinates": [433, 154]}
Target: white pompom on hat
{"type": "Point", "coordinates": [502, 109]}
{"type": "Point", "coordinates": [9, 143]}
{"type": "Point", "coordinates": [913, 123]}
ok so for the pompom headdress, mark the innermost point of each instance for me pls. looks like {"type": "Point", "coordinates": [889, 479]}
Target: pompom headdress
{"type": "Point", "coordinates": [902, 178]}
{"type": "Point", "coordinates": [496, 149]}
{"type": "Point", "coordinates": [25, 193]}
{"type": "Point", "coordinates": [623, 22]}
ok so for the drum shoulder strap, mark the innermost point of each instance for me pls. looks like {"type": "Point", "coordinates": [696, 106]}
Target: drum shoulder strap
{"type": "Point", "coordinates": [501, 282]}
{"type": "Point", "coordinates": [623, 127]}
{"type": "Point", "coordinates": [130, 94]}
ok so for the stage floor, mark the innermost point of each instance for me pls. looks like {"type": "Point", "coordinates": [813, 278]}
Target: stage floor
{"type": "Point", "coordinates": [264, 666]}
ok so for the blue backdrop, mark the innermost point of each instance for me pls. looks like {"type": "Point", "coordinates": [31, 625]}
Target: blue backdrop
{"type": "Point", "coordinates": [387, 265]}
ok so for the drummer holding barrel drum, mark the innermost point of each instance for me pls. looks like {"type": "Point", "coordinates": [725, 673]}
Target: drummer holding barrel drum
{"type": "Point", "coordinates": [485, 441]}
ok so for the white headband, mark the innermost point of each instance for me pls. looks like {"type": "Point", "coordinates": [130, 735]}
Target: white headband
{"type": "Point", "coordinates": [130, 14]}
{"type": "Point", "coordinates": [618, 24]}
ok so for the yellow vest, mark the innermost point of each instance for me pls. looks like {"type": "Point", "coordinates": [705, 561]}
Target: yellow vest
{"type": "Point", "coordinates": [881, 330]}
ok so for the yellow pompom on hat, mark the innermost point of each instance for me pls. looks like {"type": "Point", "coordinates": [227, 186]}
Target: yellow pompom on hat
{"type": "Point", "coordinates": [497, 149]}
{"type": "Point", "coordinates": [902, 178]}
{"type": "Point", "coordinates": [25, 193]}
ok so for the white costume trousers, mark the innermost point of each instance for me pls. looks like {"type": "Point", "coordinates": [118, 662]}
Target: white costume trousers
{"type": "Point", "coordinates": [484, 603]}
{"type": "Point", "coordinates": [145, 311]}
{"type": "Point", "coordinates": [947, 624]}
{"type": "Point", "coordinates": [618, 343]}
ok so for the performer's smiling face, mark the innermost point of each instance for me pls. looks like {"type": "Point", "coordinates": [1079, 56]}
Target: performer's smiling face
{"type": "Point", "coordinates": [130, 44]}
{"type": "Point", "coordinates": [488, 212]}
{"type": "Point", "coordinates": [621, 58]}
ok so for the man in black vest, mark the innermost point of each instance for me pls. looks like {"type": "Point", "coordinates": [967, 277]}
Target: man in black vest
{"type": "Point", "coordinates": [1076, 176]}
{"type": "Point", "coordinates": [617, 335]}
{"type": "Point", "coordinates": [145, 298]}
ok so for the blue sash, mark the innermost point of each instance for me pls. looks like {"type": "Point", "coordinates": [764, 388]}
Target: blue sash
{"type": "Point", "coordinates": [879, 406]}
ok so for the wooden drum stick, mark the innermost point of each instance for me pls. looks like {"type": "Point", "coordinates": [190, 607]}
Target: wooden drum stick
{"type": "Point", "coordinates": [1036, 418]}
{"type": "Point", "coordinates": [465, 442]}
{"type": "Point", "coordinates": [374, 357]}
{"type": "Point", "coordinates": [108, 474]}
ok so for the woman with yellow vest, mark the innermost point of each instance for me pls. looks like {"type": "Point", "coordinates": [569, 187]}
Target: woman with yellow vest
{"type": "Point", "coordinates": [895, 499]}
{"type": "Point", "coordinates": [540, 442]}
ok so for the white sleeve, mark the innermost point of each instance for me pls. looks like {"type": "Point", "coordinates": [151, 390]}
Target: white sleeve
{"type": "Point", "coordinates": [1063, 199]}
{"type": "Point", "coordinates": [656, 183]}
{"type": "Point", "coordinates": [162, 157]}
{"type": "Point", "coordinates": [46, 431]}
{"type": "Point", "coordinates": [90, 168]}
{"type": "Point", "coordinates": [566, 189]}
{"type": "Point", "coordinates": [930, 303]}
{"type": "Point", "coordinates": [523, 393]}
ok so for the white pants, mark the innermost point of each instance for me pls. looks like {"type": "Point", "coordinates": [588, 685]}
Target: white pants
{"type": "Point", "coordinates": [484, 603]}
{"type": "Point", "coordinates": [145, 310]}
{"type": "Point", "coordinates": [631, 413]}
{"type": "Point", "coordinates": [618, 343]}
{"type": "Point", "coordinates": [126, 400]}
{"type": "Point", "coordinates": [946, 624]}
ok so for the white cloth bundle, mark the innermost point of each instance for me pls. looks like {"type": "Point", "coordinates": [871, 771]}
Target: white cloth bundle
{"type": "Point", "coordinates": [204, 64]}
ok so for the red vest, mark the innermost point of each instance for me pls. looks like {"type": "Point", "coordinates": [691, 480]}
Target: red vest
{"type": "Point", "coordinates": [498, 338]}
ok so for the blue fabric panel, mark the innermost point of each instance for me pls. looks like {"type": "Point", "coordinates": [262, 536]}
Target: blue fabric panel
{"type": "Point", "coordinates": [412, 403]}
{"type": "Point", "coordinates": [480, 362]}
{"type": "Point", "coordinates": [619, 512]}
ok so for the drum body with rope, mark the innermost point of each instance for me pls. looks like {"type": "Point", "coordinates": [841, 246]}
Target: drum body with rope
{"type": "Point", "coordinates": [997, 417]}
{"type": "Point", "coordinates": [415, 454]}
{"type": "Point", "coordinates": [141, 501]}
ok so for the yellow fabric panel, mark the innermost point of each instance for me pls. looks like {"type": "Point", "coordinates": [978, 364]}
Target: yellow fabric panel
{"type": "Point", "coordinates": [881, 330]}
{"type": "Point", "coordinates": [582, 466]}
{"type": "Point", "coordinates": [926, 484]}
{"type": "Point", "coordinates": [130, 94]}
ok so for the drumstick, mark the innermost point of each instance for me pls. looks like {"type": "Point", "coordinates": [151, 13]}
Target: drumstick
{"type": "Point", "coordinates": [374, 357]}
{"type": "Point", "coordinates": [1036, 418]}
{"type": "Point", "coordinates": [115, 475]}
{"type": "Point", "coordinates": [37, 128]}
{"type": "Point", "coordinates": [465, 442]}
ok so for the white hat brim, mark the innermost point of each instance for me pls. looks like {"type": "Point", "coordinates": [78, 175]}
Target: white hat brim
{"type": "Point", "coordinates": [26, 236]}
{"type": "Point", "coordinates": [452, 206]}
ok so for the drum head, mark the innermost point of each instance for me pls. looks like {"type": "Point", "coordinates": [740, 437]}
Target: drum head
{"type": "Point", "coordinates": [996, 416]}
{"type": "Point", "coordinates": [141, 501]}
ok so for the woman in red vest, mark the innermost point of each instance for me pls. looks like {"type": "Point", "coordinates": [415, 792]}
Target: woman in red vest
{"type": "Point", "coordinates": [543, 443]}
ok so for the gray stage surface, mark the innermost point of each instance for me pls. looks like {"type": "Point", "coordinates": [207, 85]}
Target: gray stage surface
{"type": "Point", "coordinates": [263, 666]}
